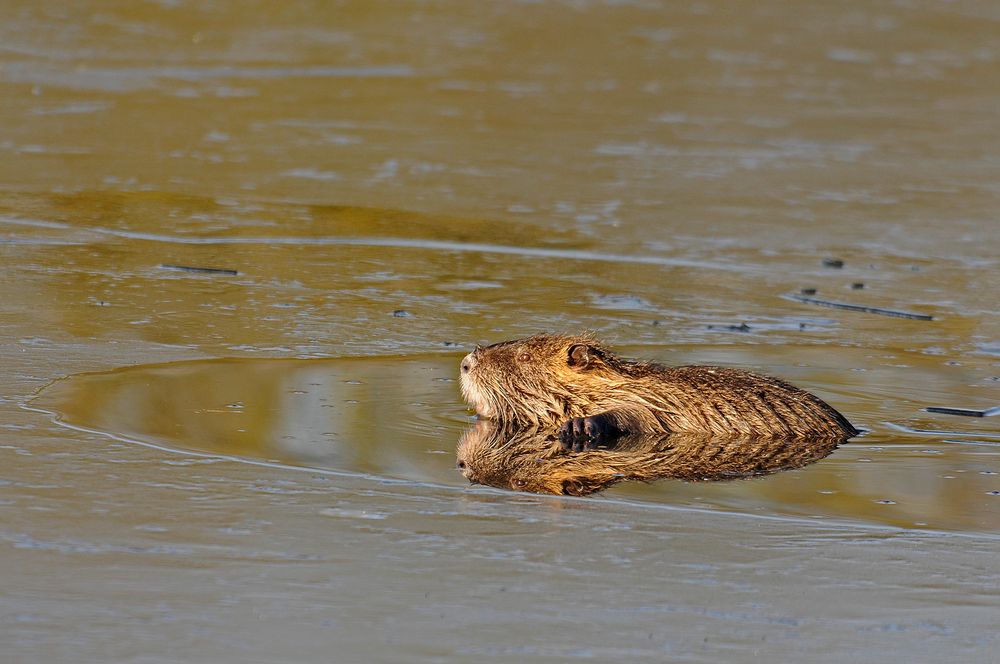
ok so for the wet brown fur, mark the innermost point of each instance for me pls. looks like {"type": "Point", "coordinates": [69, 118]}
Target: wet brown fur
{"type": "Point", "coordinates": [537, 382]}
{"type": "Point", "coordinates": [533, 460]}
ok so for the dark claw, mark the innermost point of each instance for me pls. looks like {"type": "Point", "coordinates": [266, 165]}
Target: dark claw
{"type": "Point", "coordinates": [588, 433]}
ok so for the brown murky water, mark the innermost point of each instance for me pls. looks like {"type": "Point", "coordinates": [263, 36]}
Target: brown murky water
{"type": "Point", "coordinates": [258, 464]}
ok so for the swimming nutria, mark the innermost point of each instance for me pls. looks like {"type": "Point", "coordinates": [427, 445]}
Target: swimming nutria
{"type": "Point", "coordinates": [529, 459]}
{"type": "Point", "coordinates": [576, 382]}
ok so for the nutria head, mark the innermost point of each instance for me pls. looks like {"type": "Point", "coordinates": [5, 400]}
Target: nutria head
{"type": "Point", "coordinates": [538, 380]}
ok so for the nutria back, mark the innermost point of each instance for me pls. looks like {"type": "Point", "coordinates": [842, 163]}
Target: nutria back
{"type": "Point", "coordinates": [549, 380]}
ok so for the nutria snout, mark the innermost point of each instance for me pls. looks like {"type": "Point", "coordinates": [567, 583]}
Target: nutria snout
{"type": "Point", "coordinates": [577, 383]}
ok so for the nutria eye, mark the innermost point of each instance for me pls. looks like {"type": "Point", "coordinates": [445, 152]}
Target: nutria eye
{"type": "Point", "coordinates": [465, 367]}
{"type": "Point", "coordinates": [461, 464]}
{"type": "Point", "coordinates": [524, 357]}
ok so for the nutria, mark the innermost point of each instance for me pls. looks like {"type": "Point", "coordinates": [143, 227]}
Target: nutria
{"type": "Point", "coordinates": [530, 459]}
{"type": "Point", "coordinates": [577, 383]}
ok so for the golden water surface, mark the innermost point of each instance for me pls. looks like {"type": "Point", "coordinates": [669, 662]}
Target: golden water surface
{"type": "Point", "coordinates": [255, 461]}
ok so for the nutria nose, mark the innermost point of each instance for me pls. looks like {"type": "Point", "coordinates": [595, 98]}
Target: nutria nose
{"type": "Point", "coordinates": [467, 363]}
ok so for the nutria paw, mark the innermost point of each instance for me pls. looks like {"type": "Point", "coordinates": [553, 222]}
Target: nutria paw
{"type": "Point", "coordinates": [588, 433]}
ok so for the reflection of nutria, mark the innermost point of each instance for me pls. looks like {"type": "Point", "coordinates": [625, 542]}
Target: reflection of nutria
{"type": "Point", "coordinates": [528, 459]}
{"type": "Point", "coordinates": [576, 382]}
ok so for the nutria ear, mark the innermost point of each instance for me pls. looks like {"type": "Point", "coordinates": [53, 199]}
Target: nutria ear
{"type": "Point", "coordinates": [579, 356]}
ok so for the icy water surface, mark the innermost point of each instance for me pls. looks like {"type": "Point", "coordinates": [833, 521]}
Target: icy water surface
{"type": "Point", "coordinates": [253, 461]}
{"type": "Point", "coordinates": [400, 418]}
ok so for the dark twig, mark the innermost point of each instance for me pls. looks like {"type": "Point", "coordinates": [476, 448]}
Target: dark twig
{"type": "Point", "coordinates": [965, 412]}
{"type": "Point", "coordinates": [859, 307]}
{"type": "Point", "coordinates": [201, 270]}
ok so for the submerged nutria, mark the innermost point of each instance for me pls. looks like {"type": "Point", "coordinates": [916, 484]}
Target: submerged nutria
{"type": "Point", "coordinates": [529, 459]}
{"type": "Point", "coordinates": [577, 383]}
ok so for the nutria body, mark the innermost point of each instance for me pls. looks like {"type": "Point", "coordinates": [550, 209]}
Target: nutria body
{"type": "Point", "coordinates": [577, 383]}
{"type": "Point", "coordinates": [529, 459]}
